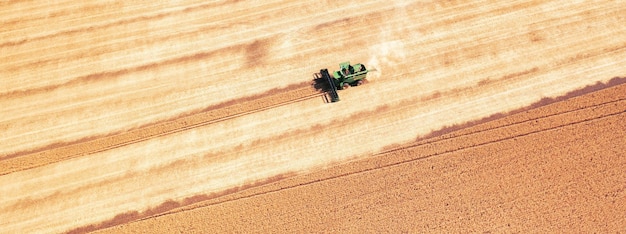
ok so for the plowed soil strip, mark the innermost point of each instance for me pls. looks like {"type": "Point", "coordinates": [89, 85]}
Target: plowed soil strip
{"type": "Point", "coordinates": [533, 121]}
{"type": "Point", "coordinates": [44, 157]}
{"type": "Point", "coordinates": [337, 192]}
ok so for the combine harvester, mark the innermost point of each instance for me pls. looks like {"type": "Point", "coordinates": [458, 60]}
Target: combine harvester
{"type": "Point", "coordinates": [348, 75]}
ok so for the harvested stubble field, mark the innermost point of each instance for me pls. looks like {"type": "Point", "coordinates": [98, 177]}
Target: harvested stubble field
{"type": "Point", "coordinates": [195, 116]}
{"type": "Point", "coordinates": [557, 167]}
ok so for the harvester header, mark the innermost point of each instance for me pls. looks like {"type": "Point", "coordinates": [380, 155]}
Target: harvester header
{"type": "Point", "coordinates": [347, 75]}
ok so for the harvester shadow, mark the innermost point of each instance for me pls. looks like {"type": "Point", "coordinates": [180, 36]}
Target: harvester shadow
{"type": "Point", "coordinates": [322, 86]}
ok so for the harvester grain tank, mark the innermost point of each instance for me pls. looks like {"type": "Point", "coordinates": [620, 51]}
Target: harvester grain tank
{"type": "Point", "coordinates": [348, 75]}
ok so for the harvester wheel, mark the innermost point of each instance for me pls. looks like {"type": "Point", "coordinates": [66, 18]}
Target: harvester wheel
{"type": "Point", "coordinates": [346, 85]}
{"type": "Point", "coordinates": [360, 82]}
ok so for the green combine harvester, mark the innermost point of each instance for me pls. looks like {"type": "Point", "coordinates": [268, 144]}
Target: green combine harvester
{"type": "Point", "coordinates": [348, 75]}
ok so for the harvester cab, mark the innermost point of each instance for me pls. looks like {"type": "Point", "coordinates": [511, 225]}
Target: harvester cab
{"type": "Point", "coordinates": [348, 75]}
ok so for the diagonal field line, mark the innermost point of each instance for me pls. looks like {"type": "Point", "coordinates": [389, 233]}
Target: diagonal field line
{"type": "Point", "coordinates": [180, 129]}
{"type": "Point", "coordinates": [594, 118]}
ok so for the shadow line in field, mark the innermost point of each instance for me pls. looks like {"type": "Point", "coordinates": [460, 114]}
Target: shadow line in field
{"type": "Point", "coordinates": [130, 216]}
{"type": "Point", "coordinates": [543, 102]}
{"type": "Point", "coordinates": [170, 205]}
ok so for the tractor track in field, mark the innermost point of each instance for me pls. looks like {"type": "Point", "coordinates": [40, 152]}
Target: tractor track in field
{"type": "Point", "coordinates": [488, 135]}
{"type": "Point", "coordinates": [232, 110]}
{"type": "Point", "coordinates": [193, 115]}
{"type": "Point", "coordinates": [460, 133]}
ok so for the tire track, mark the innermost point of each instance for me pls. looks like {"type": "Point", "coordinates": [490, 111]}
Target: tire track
{"type": "Point", "coordinates": [56, 153]}
{"type": "Point", "coordinates": [45, 89]}
{"type": "Point", "coordinates": [160, 180]}
{"type": "Point", "coordinates": [114, 73]}
{"type": "Point", "coordinates": [77, 81]}
{"type": "Point", "coordinates": [477, 127]}
{"type": "Point", "coordinates": [276, 139]}
{"type": "Point", "coordinates": [608, 109]}
{"type": "Point", "coordinates": [282, 138]}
